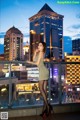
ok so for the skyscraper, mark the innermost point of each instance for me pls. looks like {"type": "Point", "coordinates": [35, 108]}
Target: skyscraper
{"type": "Point", "coordinates": [13, 44]}
{"type": "Point", "coordinates": [72, 71]}
{"type": "Point", "coordinates": [76, 46]}
{"type": "Point", "coordinates": [26, 52]}
{"type": "Point", "coordinates": [47, 26]}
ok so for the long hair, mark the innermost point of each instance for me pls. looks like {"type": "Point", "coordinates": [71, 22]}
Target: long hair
{"type": "Point", "coordinates": [44, 45]}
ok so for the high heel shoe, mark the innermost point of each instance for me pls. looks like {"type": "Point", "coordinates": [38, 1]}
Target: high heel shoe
{"type": "Point", "coordinates": [48, 111]}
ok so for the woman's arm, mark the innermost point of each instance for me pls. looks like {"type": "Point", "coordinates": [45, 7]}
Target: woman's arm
{"type": "Point", "coordinates": [35, 53]}
{"type": "Point", "coordinates": [38, 61]}
{"type": "Point", "coordinates": [34, 56]}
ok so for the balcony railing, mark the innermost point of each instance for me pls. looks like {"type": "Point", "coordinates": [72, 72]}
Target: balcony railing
{"type": "Point", "coordinates": [19, 84]}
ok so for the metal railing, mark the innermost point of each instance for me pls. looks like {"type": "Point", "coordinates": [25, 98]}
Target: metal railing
{"type": "Point", "coordinates": [57, 87]}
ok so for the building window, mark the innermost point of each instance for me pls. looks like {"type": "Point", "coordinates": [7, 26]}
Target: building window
{"type": "Point", "coordinates": [36, 23]}
{"type": "Point", "coordinates": [53, 17]}
{"type": "Point", "coordinates": [42, 23]}
{"type": "Point", "coordinates": [47, 22]}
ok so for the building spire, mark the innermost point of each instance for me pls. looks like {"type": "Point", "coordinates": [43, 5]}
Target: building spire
{"type": "Point", "coordinates": [46, 7]}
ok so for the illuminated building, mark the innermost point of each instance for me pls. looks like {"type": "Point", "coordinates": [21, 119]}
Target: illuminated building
{"type": "Point", "coordinates": [1, 72]}
{"type": "Point", "coordinates": [76, 46]}
{"type": "Point", "coordinates": [27, 87]}
{"type": "Point", "coordinates": [26, 52]}
{"type": "Point", "coordinates": [33, 73]}
{"type": "Point", "coordinates": [13, 44]}
{"type": "Point", "coordinates": [19, 72]}
{"type": "Point", "coordinates": [1, 57]}
{"type": "Point", "coordinates": [47, 26]}
{"type": "Point", "coordinates": [72, 70]}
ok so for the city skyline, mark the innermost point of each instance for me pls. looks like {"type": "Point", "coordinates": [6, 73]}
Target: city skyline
{"type": "Point", "coordinates": [23, 11]}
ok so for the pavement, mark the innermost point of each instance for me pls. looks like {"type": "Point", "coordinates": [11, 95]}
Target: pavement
{"type": "Point", "coordinates": [55, 116]}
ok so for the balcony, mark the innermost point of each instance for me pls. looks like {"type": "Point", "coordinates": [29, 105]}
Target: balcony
{"type": "Point", "coordinates": [19, 89]}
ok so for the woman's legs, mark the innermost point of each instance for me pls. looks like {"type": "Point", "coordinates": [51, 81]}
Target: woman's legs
{"type": "Point", "coordinates": [45, 90]}
{"type": "Point", "coordinates": [42, 87]}
{"type": "Point", "coordinates": [45, 86]}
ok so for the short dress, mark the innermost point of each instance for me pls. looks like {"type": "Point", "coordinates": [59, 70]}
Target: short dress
{"type": "Point", "coordinates": [43, 70]}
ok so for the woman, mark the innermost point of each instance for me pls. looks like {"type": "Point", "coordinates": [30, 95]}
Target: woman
{"type": "Point", "coordinates": [38, 59]}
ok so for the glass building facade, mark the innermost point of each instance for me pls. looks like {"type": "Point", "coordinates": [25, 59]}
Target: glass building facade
{"type": "Point", "coordinates": [47, 26]}
{"type": "Point", "coordinates": [76, 46]}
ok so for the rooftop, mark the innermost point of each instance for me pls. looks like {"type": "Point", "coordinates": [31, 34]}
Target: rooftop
{"type": "Point", "coordinates": [45, 10]}
{"type": "Point", "coordinates": [14, 30]}
{"type": "Point", "coordinates": [46, 7]}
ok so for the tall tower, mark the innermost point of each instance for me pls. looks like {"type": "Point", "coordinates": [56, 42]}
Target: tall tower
{"type": "Point", "coordinates": [13, 44]}
{"type": "Point", "coordinates": [76, 46]}
{"type": "Point", "coordinates": [47, 26]}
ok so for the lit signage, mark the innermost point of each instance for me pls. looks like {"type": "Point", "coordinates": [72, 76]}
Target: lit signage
{"type": "Point", "coordinates": [33, 73]}
{"type": "Point", "coordinates": [54, 74]}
